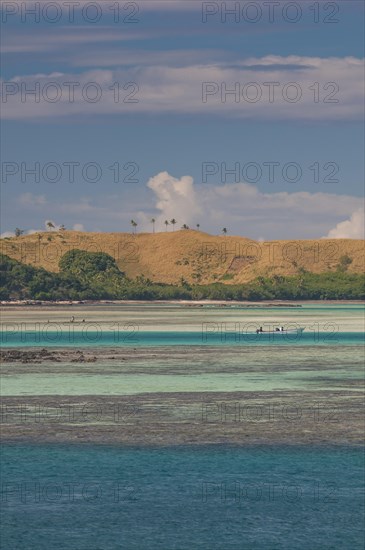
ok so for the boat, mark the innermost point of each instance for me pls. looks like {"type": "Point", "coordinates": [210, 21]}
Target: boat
{"type": "Point", "coordinates": [297, 330]}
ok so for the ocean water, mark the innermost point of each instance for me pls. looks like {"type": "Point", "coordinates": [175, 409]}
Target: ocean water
{"type": "Point", "coordinates": [149, 497]}
{"type": "Point", "coordinates": [88, 498]}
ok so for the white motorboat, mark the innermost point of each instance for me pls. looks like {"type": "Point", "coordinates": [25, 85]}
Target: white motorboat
{"type": "Point", "coordinates": [297, 330]}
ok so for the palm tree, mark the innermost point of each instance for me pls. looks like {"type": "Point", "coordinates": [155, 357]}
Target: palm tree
{"type": "Point", "coordinates": [173, 221]}
{"type": "Point", "coordinates": [19, 232]}
{"type": "Point", "coordinates": [185, 226]}
{"type": "Point", "coordinates": [153, 224]}
{"type": "Point", "coordinates": [224, 231]}
{"type": "Point", "coordinates": [50, 225]}
{"type": "Point", "coordinates": [198, 226]}
{"type": "Point", "coordinates": [166, 223]}
{"type": "Point", "coordinates": [134, 225]}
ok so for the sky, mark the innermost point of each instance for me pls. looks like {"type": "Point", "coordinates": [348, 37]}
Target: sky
{"type": "Point", "coordinates": [245, 115]}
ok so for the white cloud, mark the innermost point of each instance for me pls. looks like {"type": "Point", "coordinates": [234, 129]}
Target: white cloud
{"type": "Point", "coordinates": [78, 227]}
{"type": "Point", "coordinates": [241, 207]}
{"type": "Point", "coordinates": [67, 38]}
{"type": "Point", "coordinates": [354, 228]}
{"type": "Point", "coordinates": [244, 209]}
{"type": "Point", "coordinates": [176, 197]}
{"type": "Point", "coordinates": [176, 89]}
{"type": "Point", "coordinates": [173, 58]}
{"type": "Point", "coordinates": [29, 199]}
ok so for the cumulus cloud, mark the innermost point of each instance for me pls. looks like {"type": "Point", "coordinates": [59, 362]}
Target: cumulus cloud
{"type": "Point", "coordinates": [245, 210]}
{"type": "Point", "coordinates": [176, 198]}
{"type": "Point", "coordinates": [354, 228]}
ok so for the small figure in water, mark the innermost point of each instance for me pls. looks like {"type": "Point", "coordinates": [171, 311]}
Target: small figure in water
{"type": "Point", "coordinates": [72, 319]}
{"type": "Point", "coordinates": [83, 320]}
{"type": "Point", "coordinates": [259, 330]}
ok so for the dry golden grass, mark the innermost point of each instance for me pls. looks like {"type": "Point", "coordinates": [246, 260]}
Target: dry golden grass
{"type": "Point", "coordinates": [193, 255]}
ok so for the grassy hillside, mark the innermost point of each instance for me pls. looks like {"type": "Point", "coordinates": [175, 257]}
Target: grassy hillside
{"type": "Point", "coordinates": [193, 257]}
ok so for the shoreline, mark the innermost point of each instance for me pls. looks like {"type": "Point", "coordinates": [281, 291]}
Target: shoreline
{"type": "Point", "coordinates": [184, 303]}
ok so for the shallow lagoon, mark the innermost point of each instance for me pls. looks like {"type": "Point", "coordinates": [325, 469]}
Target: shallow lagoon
{"type": "Point", "coordinates": [191, 369]}
{"type": "Point", "coordinates": [179, 318]}
{"type": "Point", "coordinates": [255, 488]}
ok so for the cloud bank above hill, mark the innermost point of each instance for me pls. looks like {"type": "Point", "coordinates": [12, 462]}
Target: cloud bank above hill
{"type": "Point", "coordinates": [245, 210]}
{"type": "Point", "coordinates": [241, 207]}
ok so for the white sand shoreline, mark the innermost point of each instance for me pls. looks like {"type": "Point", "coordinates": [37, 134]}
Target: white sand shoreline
{"type": "Point", "coordinates": [187, 303]}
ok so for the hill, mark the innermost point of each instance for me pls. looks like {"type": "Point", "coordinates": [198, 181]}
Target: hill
{"type": "Point", "coordinates": [192, 256]}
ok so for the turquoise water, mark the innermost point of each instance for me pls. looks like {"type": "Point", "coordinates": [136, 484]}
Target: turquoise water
{"type": "Point", "coordinates": [173, 338]}
{"type": "Point", "coordinates": [265, 498]}
{"type": "Point", "coordinates": [120, 383]}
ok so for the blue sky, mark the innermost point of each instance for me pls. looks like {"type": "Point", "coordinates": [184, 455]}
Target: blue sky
{"type": "Point", "coordinates": [294, 168]}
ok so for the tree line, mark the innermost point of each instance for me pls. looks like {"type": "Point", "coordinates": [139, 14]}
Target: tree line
{"type": "Point", "coordinates": [96, 276]}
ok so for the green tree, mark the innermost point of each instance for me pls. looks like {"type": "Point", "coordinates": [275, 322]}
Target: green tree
{"type": "Point", "coordinates": [173, 222]}
{"type": "Point", "coordinates": [166, 224]}
{"type": "Point", "coordinates": [153, 221]}
{"type": "Point", "coordinates": [224, 231]}
{"type": "Point", "coordinates": [344, 263]}
{"type": "Point", "coordinates": [18, 232]}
